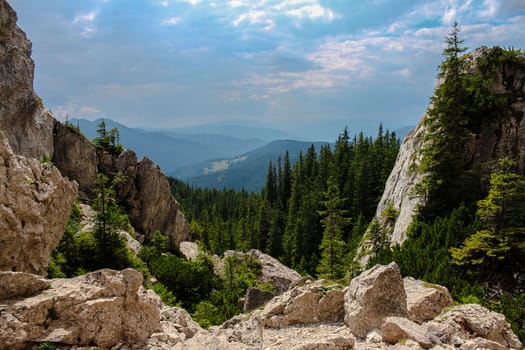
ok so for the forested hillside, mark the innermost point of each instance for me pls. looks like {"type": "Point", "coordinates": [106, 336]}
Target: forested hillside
{"type": "Point", "coordinates": [307, 208]}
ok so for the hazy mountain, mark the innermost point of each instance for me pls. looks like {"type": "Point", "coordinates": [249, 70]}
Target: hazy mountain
{"type": "Point", "coordinates": [241, 129]}
{"type": "Point", "coordinates": [247, 170]}
{"type": "Point", "coordinates": [172, 152]}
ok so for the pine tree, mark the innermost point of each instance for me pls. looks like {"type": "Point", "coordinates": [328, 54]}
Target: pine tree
{"type": "Point", "coordinates": [447, 133]}
{"type": "Point", "coordinates": [501, 241]}
{"type": "Point", "coordinates": [332, 246]}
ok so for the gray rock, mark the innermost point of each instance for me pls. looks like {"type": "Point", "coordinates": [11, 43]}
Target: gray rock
{"type": "Point", "coordinates": [35, 204]}
{"type": "Point", "coordinates": [27, 125]}
{"type": "Point", "coordinates": [372, 296]}
{"type": "Point", "coordinates": [76, 158]}
{"type": "Point", "coordinates": [395, 329]}
{"type": "Point", "coordinates": [425, 300]}
{"type": "Point", "coordinates": [20, 284]}
{"type": "Point", "coordinates": [103, 308]}
{"type": "Point", "coordinates": [471, 321]}
{"type": "Point", "coordinates": [312, 303]}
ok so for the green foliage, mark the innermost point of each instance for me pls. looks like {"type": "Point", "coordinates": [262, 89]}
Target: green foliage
{"type": "Point", "coordinates": [189, 281]}
{"type": "Point", "coordinates": [331, 265]}
{"type": "Point", "coordinates": [165, 294]}
{"type": "Point", "coordinates": [107, 141]}
{"type": "Point", "coordinates": [460, 106]}
{"type": "Point", "coordinates": [500, 243]}
{"type": "Point", "coordinates": [46, 346]}
{"type": "Point", "coordinates": [207, 314]}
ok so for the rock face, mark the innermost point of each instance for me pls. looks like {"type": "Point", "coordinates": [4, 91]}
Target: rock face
{"type": "Point", "coordinates": [400, 186]}
{"type": "Point", "coordinates": [425, 300]}
{"type": "Point", "coordinates": [372, 296]}
{"type": "Point", "coordinates": [35, 204]}
{"type": "Point", "coordinates": [104, 307]}
{"type": "Point", "coordinates": [76, 158]}
{"type": "Point", "coordinates": [146, 193]}
{"type": "Point", "coordinates": [28, 126]}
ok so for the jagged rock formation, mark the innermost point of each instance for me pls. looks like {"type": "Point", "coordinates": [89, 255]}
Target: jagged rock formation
{"type": "Point", "coordinates": [27, 124]}
{"type": "Point", "coordinates": [32, 131]}
{"type": "Point", "coordinates": [104, 307]}
{"type": "Point", "coordinates": [495, 140]}
{"type": "Point", "coordinates": [35, 204]}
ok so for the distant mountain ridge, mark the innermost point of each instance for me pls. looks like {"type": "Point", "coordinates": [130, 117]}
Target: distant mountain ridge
{"type": "Point", "coordinates": [246, 171]}
{"type": "Point", "coordinates": [172, 152]}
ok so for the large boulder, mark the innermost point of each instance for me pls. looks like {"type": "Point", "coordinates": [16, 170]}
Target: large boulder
{"type": "Point", "coordinates": [472, 321]}
{"type": "Point", "coordinates": [311, 303]}
{"type": "Point", "coordinates": [102, 308]}
{"type": "Point", "coordinates": [28, 126]}
{"type": "Point", "coordinates": [275, 273]}
{"type": "Point", "coordinates": [35, 204]}
{"type": "Point", "coordinates": [372, 296]}
{"type": "Point", "coordinates": [425, 300]}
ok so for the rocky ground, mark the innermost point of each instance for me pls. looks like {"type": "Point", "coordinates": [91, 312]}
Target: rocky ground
{"type": "Point", "coordinates": [378, 310]}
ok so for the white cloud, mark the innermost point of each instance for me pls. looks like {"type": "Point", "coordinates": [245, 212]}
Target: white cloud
{"type": "Point", "coordinates": [86, 17]}
{"type": "Point", "coordinates": [312, 12]}
{"type": "Point", "coordinates": [172, 21]}
{"type": "Point", "coordinates": [255, 17]}
{"type": "Point", "coordinates": [490, 8]}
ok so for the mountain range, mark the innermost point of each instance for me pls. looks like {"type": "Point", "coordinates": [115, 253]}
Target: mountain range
{"type": "Point", "coordinates": [218, 155]}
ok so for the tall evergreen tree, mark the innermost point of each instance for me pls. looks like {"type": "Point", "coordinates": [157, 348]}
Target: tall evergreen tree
{"type": "Point", "coordinates": [334, 221]}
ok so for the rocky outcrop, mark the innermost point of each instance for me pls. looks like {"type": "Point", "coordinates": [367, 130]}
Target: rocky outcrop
{"type": "Point", "coordinates": [35, 204]}
{"type": "Point", "coordinates": [76, 157]}
{"type": "Point", "coordinates": [372, 296]}
{"type": "Point", "coordinates": [472, 321]}
{"type": "Point", "coordinates": [425, 300]}
{"type": "Point", "coordinates": [146, 194]}
{"type": "Point", "coordinates": [494, 140]}
{"type": "Point", "coordinates": [312, 303]}
{"type": "Point", "coordinates": [102, 308]}
{"type": "Point", "coordinates": [28, 126]}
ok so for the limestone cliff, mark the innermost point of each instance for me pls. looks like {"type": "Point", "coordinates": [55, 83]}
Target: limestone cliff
{"type": "Point", "coordinates": [493, 141]}
{"type": "Point", "coordinates": [35, 204]}
{"type": "Point", "coordinates": [27, 124]}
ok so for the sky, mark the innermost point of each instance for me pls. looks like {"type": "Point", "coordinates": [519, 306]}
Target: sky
{"type": "Point", "coordinates": [311, 67]}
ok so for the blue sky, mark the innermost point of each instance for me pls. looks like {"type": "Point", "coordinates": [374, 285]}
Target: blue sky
{"type": "Point", "coordinates": [311, 66]}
